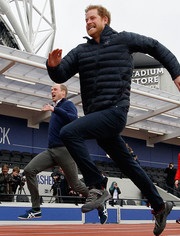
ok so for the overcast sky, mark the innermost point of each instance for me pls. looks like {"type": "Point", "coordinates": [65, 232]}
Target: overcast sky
{"type": "Point", "coordinates": [154, 18]}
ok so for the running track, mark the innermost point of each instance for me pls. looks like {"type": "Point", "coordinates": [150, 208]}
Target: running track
{"type": "Point", "coordinates": [172, 229]}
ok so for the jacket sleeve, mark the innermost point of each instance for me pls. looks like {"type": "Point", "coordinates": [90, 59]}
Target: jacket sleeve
{"type": "Point", "coordinates": [66, 69]}
{"type": "Point", "coordinates": [67, 112]}
{"type": "Point", "coordinates": [147, 45]}
{"type": "Point", "coordinates": [119, 191]}
{"type": "Point", "coordinates": [177, 176]}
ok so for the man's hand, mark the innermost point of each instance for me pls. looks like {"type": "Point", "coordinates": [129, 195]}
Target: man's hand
{"type": "Point", "coordinates": [55, 57]}
{"type": "Point", "coordinates": [48, 107]}
{"type": "Point", "coordinates": [177, 82]}
{"type": "Point", "coordinates": [176, 183]}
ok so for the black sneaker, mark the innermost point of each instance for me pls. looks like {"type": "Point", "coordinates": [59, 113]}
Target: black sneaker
{"type": "Point", "coordinates": [30, 214]}
{"type": "Point", "coordinates": [95, 199]}
{"type": "Point", "coordinates": [102, 213]}
{"type": "Point", "coordinates": [178, 221]}
{"type": "Point", "coordinates": [160, 218]}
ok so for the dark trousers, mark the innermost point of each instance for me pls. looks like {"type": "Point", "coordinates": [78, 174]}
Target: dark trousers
{"type": "Point", "coordinates": [105, 126]}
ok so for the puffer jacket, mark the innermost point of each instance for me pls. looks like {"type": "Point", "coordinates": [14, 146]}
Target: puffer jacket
{"type": "Point", "coordinates": [105, 68]}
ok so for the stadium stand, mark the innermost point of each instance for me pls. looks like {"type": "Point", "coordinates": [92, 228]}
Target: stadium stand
{"type": "Point", "coordinates": [16, 157]}
{"type": "Point", "coordinates": [26, 157]}
{"type": "Point", "coordinates": [21, 159]}
{"type": "Point", "coordinates": [5, 156]}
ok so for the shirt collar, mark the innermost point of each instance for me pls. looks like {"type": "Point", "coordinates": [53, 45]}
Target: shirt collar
{"type": "Point", "coordinates": [55, 103]}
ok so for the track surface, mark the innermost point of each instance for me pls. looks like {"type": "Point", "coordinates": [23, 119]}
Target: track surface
{"type": "Point", "coordinates": [172, 229]}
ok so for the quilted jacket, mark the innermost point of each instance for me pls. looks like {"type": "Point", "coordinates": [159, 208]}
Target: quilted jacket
{"type": "Point", "coordinates": [105, 68]}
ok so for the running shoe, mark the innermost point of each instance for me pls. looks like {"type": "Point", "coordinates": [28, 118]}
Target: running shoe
{"type": "Point", "coordinates": [160, 218]}
{"type": "Point", "coordinates": [102, 213]}
{"type": "Point", "coordinates": [95, 199]}
{"type": "Point", "coordinates": [178, 221]}
{"type": "Point", "coordinates": [30, 214]}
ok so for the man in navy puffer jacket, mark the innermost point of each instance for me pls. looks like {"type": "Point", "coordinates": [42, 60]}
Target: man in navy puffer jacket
{"type": "Point", "coordinates": [105, 67]}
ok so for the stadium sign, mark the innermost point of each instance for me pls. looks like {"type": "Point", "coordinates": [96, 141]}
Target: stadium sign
{"type": "Point", "coordinates": [148, 77]}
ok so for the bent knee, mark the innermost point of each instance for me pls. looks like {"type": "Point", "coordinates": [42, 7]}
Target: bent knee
{"type": "Point", "coordinates": [29, 171]}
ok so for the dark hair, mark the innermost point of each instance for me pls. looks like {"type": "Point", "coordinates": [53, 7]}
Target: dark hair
{"type": "Point", "coordinates": [16, 168]}
{"type": "Point", "coordinates": [102, 11]}
{"type": "Point", "coordinates": [5, 166]}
